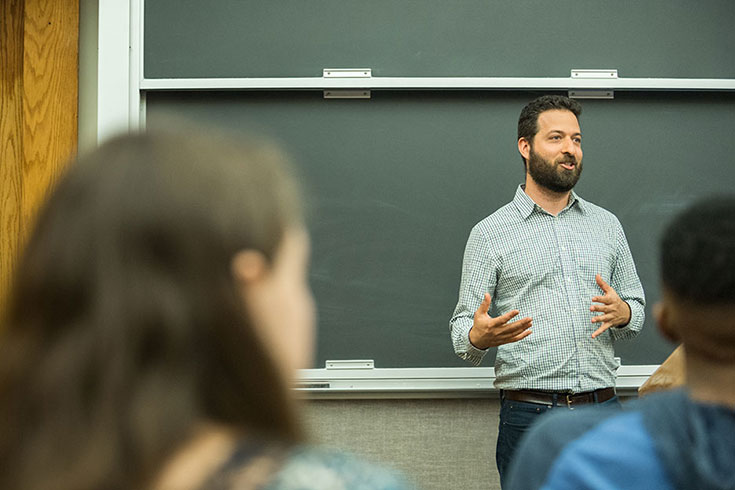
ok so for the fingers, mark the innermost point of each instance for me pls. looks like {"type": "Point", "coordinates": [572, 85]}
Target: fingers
{"type": "Point", "coordinates": [507, 316]}
{"type": "Point", "coordinates": [603, 318]}
{"type": "Point", "coordinates": [603, 285]}
{"type": "Point", "coordinates": [520, 324]}
{"type": "Point", "coordinates": [608, 300]}
{"type": "Point", "coordinates": [487, 331]}
{"type": "Point", "coordinates": [510, 330]}
{"type": "Point", "coordinates": [604, 327]}
{"type": "Point", "coordinates": [513, 332]}
{"type": "Point", "coordinates": [518, 337]}
{"type": "Point", "coordinates": [485, 305]}
{"type": "Point", "coordinates": [604, 307]}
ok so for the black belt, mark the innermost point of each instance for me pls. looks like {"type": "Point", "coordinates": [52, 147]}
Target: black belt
{"type": "Point", "coordinates": [552, 399]}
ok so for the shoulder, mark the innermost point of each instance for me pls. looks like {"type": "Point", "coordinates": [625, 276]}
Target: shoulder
{"type": "Point", "coordinates": [504, 217]}
{"type": "Point", "coordinates": [604, 451]}
{"type": "Point", "coordinates": [598, 212]}
{"type": "Point", "coordinates": [617, 453]}
{"type": "Point", "coordinates": [315, 468]}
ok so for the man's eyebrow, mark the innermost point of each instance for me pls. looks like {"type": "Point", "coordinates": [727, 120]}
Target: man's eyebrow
{"type": "Point", "coordinates": [576, 133]}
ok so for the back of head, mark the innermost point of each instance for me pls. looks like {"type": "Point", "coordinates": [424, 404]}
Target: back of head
{"type": "Point", "coordinates": [125, 328]}
{"type": "Point", "coordinates": [698, 273]}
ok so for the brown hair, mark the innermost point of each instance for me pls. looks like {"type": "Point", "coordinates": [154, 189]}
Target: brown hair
{"type": "Point", "coordinates": [528, 120]}
{"type": "Point", "coordinates": [125, 328]}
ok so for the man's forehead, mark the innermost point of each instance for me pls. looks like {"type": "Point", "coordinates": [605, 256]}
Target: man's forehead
{"type": "Point", "coordinates": [558, 119]}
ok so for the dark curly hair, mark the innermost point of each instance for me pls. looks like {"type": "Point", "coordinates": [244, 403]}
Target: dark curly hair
{"type": "Point", "coordinates": [698, 275]}
{"type": "Point", "coordinates": [698, 252]}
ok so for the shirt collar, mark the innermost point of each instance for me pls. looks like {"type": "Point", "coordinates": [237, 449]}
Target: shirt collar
{"type": "Point", "coordinates": [526, 206]}
{"type": "Point", "coordinates": [577, 202]}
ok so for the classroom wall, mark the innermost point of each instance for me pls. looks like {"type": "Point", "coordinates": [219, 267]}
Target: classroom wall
{"type": "Point", "coordinates": [442, 444]}
{"type": "Point", "coordinates": [38, 114]}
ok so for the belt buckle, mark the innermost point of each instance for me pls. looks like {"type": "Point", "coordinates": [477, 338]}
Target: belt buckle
{"type": "Point", "coordinates": [568, 397]}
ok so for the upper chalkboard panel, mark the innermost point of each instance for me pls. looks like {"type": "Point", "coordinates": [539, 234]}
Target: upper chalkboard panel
{"type": "Point", "coordinates": [519, 38]}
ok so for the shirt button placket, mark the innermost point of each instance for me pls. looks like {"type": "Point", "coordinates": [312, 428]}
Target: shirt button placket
{"type": "Point", "coordinates": [569, 273]}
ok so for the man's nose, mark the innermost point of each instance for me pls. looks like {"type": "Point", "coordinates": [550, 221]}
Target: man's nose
{"type": "Point", "coordinates": [568, 146]}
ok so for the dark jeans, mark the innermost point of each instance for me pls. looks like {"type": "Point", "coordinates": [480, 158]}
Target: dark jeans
{"type": "Point", "coordinates": [515, 419]}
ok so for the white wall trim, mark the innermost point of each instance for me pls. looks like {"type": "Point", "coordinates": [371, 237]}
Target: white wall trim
{"type": "Point", "coordinates": [113, 68]}
{"type": "Point", "coordinates": [440, 83]}
{"type": "Point", "coordinates": [136, 97]}
{"type": "Point", "coordinates": [428, 382]}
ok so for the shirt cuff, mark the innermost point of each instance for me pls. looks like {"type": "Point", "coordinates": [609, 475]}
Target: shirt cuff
{"type": "Point", "coordinates": [472, 353]}
{"type": "Point", "coordinates": [633, 326]}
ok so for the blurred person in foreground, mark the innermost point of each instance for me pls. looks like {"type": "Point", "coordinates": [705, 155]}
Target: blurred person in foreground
{"type": "Point", "coordinates": [157, 320]}
{"type": "Point", "coordinates": [683, 438]}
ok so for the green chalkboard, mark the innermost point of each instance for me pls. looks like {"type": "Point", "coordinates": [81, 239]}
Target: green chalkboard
{"type": "Point", "coordinates": [397, 181]}
{"type": "Point", "coordinates": [400, 38]}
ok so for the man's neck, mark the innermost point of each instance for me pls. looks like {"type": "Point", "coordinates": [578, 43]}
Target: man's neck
{"type": "Point", "coordinates": [550, 201]}
{"type": "Point", "coordinates": [709, 382]}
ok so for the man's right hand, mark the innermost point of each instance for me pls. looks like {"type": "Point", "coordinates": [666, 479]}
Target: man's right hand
{"type": "Point", "coordinates": [487, 331]}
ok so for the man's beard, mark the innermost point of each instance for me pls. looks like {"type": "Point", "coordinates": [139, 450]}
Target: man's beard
{"type": "Point", "coordinates": [552, 175]}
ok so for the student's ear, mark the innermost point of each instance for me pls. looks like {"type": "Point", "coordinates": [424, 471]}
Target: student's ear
{"type": "Point", "coordinates": [248, 267]}
{"type": "Point", "coordinates": [663, 315]}
{"type": "Point", "coordinates": [524, 148]}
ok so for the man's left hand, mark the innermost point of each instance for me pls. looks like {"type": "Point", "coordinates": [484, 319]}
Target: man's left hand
{"type": "Point", "coordinates": [615, 311]}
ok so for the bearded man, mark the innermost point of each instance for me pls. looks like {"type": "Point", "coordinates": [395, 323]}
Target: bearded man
{"type": "Point", "coordinates": [562, 265]}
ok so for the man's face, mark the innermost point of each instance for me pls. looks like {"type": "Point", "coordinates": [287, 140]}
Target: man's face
{"type": "Point", "coordinates": [555, 153]}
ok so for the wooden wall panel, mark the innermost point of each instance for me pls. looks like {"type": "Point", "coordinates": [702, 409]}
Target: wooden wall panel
{"type": "Point", "coordinates": [38, 113]}
{"type": "Point", "coordinates": [11, 135]}
{"type": "Point", "coordinates": [50, 80]}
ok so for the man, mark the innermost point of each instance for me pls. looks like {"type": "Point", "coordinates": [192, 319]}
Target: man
{"type": "Point", "coordinates": [559, 263]}
{"type": "Point", "coordinates": [683, 438]}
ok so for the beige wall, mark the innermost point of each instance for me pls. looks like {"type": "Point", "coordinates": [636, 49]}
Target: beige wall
{"type": "Point", "coordinates": [442, 444]}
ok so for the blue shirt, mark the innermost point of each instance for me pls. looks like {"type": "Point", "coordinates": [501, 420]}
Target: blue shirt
{"type": "Point", "coordinates": [618, 453]}
{"type": "Point", "coordinates": [664, 441]}
{"type": "Point", "coordinates": [545, 266]}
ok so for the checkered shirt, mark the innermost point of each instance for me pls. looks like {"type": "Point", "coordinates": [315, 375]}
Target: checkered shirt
{"type": "Point", "coordinates": [545, 266]}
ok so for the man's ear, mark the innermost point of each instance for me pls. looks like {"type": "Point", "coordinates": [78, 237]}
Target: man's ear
{"type": "Point", "coordinates": [524, 148]}
{"type": "Point", "coordinates": [662, 314]}
{"type": "Point", "coordinates": [248, 267]}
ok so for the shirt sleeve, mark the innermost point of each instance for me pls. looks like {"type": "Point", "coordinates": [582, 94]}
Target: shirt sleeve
{"type": "Point", "coordinates": [626, 283]}
{"type": "Point", "coordinates": [478, 277]}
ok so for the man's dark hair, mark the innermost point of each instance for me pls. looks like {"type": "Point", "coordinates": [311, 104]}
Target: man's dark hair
{"type": "Point", "coordinates": [698, 252]}
{"type": "Point", "coordinates": [528, 120]}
